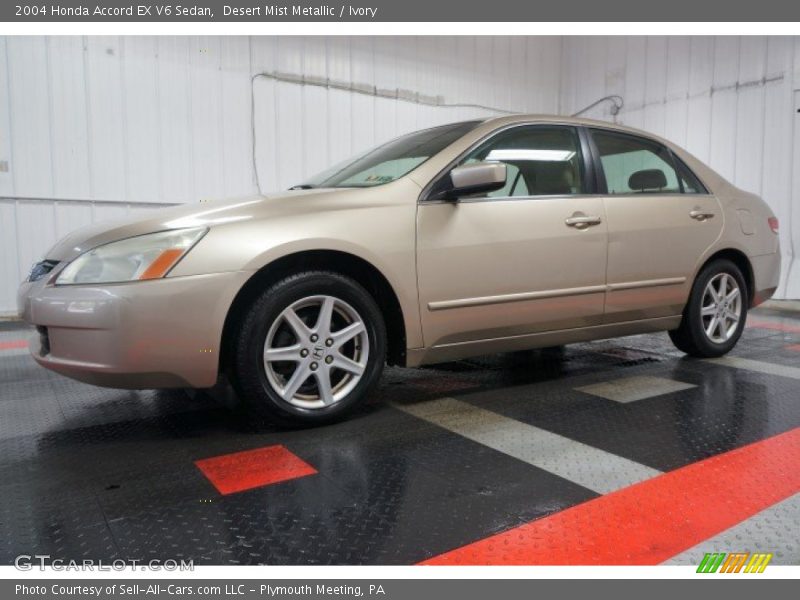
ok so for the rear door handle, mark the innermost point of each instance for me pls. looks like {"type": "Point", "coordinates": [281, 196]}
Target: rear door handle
{"type": "Point", "coordinates": [582, 221]}
{"type": "Point", "coordinates": [701, 215]}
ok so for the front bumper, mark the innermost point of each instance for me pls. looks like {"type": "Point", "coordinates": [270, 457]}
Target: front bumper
{"type": "Point", "coordinates": [146, 334]}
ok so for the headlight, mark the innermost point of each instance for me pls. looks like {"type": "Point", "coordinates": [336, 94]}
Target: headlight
{"type": "Point", "coordinates": [148, 256]}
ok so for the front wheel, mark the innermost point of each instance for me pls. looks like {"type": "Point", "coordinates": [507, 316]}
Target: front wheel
{"type": "Point", "coordinates": [310, 349]}
{"type": "Point", "coordinates": [716, 312]}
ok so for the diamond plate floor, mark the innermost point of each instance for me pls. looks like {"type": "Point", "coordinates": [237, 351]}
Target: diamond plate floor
{"type": "Point", "coordinates": [88, 472]}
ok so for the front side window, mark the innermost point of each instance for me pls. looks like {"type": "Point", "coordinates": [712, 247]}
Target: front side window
{"type": "Point", "coordinates": [634, 165]}
{"type": "Point", "coordinates": [391, 160]}
{"type": "Point", "coordinates": [541, 160]}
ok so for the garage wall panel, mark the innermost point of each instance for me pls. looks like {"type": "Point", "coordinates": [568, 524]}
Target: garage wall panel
{"type": "Point", "coordinates": [86, 122]}
{"type": "Point", "coordinates": [289, 137]}
{"type": "Point", "coordinates": [106, 113]}
{"type": "Point", "coordinates": [175, 107]}
{"type": "Point", "coordinates": [36, 223]}
{"type": "Point", "coordinates": [237, 128]}
{"type": "Point", "coordinates": [69, 216]}
{"type": "Point", "coordinates": [316, 126]}
{"type": "Point", "coordinates": [29, 107]}
{"type": "Point", "coordinates": [777, 175]}
{"type": "Point", "coordinates": [676, 94]}
{"type": "Point", "coordinates": [206, 122]}
{"type": "Point", "coordinates": [109, 211]}
{"type": "Point", "coordinates": [68, 107]}
{"type": "Point", "coordinates": [142, 132]}
{"type": "Point", "coordinates": [6, 179]}
{"type": "Point", "coordinates": [10, 265]}
{"type": "Point", "coordinates": [728, 100]}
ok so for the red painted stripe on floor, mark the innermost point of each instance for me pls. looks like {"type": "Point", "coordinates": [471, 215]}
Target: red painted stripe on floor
{"type": "Point", "coordinates": [651, 521]}
{"type": "Point", "coordinates": [13, 344]}
{"type": "Point", "coordinates": [231, 473]}
{"type": "Point", "coordinates": [775, 326]}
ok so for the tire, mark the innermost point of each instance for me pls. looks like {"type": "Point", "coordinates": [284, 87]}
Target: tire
{"type": "Point", "coordinates": [282, 333]}
{"type": "Point", "coordinates": [695, 336]}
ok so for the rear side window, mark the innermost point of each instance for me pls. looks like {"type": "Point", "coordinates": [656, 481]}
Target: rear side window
{"type": "Point", "coordinates": [689, 181]}
{"type": "Point", "coordinates": [634, 165]}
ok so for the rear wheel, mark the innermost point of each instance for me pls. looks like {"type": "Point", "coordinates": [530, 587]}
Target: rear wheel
{"type": "Point", "coordinates": [310, 349]}
{"type": "Point", "coordinates": [716, 312]}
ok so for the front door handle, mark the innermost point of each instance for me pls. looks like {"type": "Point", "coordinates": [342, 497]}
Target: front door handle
{"type": "Point", "coordinates": [701, 215]}
{"type": "Point", "coordinates": [581, 221]}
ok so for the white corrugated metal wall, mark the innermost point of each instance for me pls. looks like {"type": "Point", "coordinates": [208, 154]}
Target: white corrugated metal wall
{"type": "Point", "coordinates": [303, 129]}
{"type": "Point", "coordinates": [97, 127]}
{"type": "Point", "coordinates": [728, 100]}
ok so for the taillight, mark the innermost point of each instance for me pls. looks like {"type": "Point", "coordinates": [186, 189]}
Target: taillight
{"type": "Point", "coordinates": [773, 224]}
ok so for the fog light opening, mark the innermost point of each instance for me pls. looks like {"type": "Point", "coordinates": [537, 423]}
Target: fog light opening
{"type": "Point", "coordinates": [44, 341]}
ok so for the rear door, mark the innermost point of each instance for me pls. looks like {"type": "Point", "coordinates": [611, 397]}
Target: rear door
{"type": "Point", "coordinates": [660, 219]}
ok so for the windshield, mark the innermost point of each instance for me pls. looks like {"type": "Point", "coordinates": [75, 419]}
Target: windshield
{"type": "Point", "coordinates": [390, 160]}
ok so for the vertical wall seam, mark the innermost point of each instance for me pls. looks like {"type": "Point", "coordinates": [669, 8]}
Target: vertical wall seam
{"type": "Point", "coordinates": [350, 97]}
{"type": "Point", "coordinates": [88, 108]}
{"type": "Point", "coordinates": [624, 82]}
{"type": "Point", "coordinates": [374, 100]}
{"type": "Point", "coordinates": [303, 116]}
{"type": "Point", "coordinates": [711, 101]}
{"type": "Point", "coordinates": [688, 85]}
{"type": "Point", "coordinates": [16, 239]}
{"type": "Point", "coordinates": [159, 136]}
{"type": "Point", "coordinates": [738, 103]}
{"type": "Point", "coordinates": [124, 107]}
{"type": "Point", "coordinates": [528, 75]}
{"type": "Point", "coordinates": [275, 99]}
{"type": "Point", "coordinates": [254, 179]}
{"type": "Point", "coordinates": [12, 168]}
{"type": "Point", "coordinates": [221, 114]}
{"type": "Point", "coordinates": [190, 59]}
{"type": "Point", "coordinates": [793, 176]}
{"type": "Point", "coordinates": [15, 204]}
{"type": "Point", "coordinates": [764, 72]}
{"type": "Point", "coordinates": [49, 90]}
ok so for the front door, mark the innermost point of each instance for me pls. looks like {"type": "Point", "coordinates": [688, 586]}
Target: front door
{"type": "Point", "coordinates": [528, 258]}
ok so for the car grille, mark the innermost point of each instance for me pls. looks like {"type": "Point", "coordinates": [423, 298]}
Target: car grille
{"type": "Point", "coordinates": [41, 269]}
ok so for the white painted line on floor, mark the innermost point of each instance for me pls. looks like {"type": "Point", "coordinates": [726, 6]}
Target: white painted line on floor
{"type": "Point", "coordinates": [756, 365]}
{"type": "Point", "coordinates": [631, 389]}
{"type": "Point", "coordinates": [773, 530]}
{"type": "Point", "coordinates": [9, 336]}
{"type": "Point", "coordinates": [585, 465]}
{"type": "Point", "coordinates": [14, 352]}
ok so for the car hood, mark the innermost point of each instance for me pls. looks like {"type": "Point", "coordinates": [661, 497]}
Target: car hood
{"type": "Point", "coordinates": [206, 214]}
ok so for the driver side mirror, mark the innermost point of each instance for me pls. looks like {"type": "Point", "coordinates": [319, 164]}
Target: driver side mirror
{"type": "Point", "coordinates": [477, 178]}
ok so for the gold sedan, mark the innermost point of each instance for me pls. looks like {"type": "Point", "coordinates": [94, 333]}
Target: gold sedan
{"type": "Point", "coordinates": [471, 238]}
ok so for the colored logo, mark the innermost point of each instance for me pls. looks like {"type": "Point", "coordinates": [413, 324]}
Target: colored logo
{"type": "Point", "coordinates": [737, 562]}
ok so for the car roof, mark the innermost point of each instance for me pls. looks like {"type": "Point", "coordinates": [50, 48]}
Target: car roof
{"type": "Point", "coordinates": [561, 119]}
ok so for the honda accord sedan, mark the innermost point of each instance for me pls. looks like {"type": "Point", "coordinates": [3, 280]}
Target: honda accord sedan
{"type": "Point", "coordinates": [477, 237]}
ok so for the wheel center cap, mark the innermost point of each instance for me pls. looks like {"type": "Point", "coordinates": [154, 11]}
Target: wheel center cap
{"type": "Point", "coordinates": [318, 352]}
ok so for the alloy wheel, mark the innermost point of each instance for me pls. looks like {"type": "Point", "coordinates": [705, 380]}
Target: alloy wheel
{"type": "Point", "coordinates": [721, 308]}
{"type": "Point", "coordinates": [316, 352]}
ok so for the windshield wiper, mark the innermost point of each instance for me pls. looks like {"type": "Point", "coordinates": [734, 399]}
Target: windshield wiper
{"type": "Point", "coordinates": [303, 186]}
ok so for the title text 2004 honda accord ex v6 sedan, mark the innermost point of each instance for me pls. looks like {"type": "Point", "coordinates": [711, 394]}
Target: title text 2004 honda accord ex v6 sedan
{"type": "Point", "coordinates": [471, 238]}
